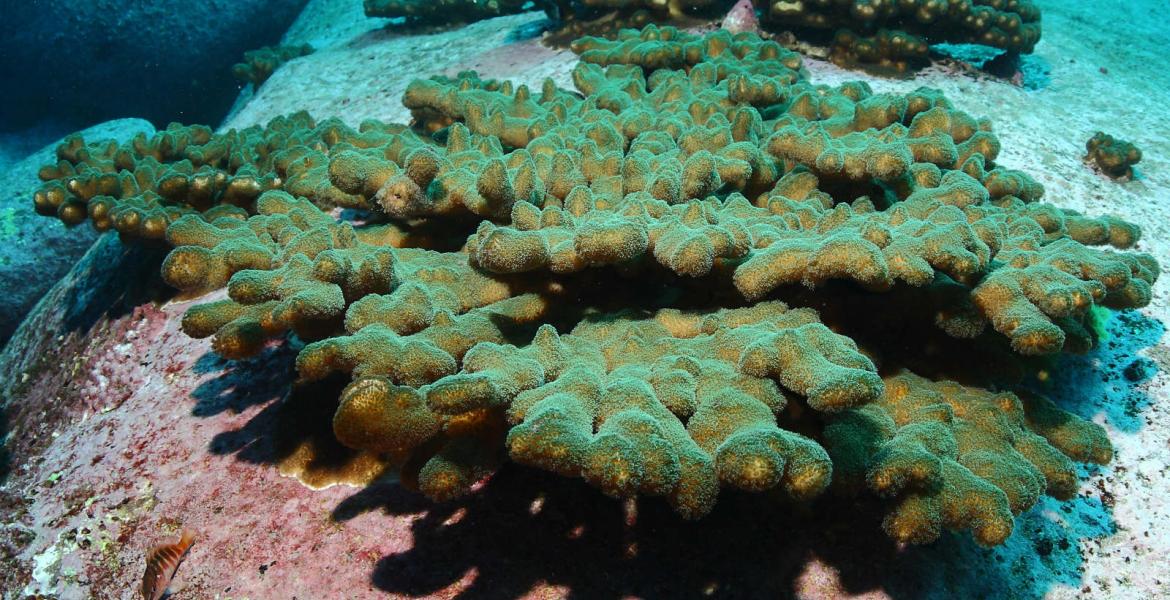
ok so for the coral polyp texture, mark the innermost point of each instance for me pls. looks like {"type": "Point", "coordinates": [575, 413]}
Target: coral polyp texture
{"type": "Point", "coordinates": [888, 35]}
{"type": "Point", "coordinates": [260, 64]}
{"type": "Point", "coordinates": [650, 283]}
{"type": "Point", "coordinates": [142, 186]}
{"type": "Point", "coordinates": [958, 457]}
{"type": "Point", "coordinates": [896, 34]}
{"type": "Point", "coordinates": [1114, 157]}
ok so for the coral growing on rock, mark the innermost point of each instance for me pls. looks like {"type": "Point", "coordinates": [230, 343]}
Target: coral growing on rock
{"type": "Point", "coordinates": [885, 50]}
{"type": "Point", "coordinates": [1116, 158]}
{"type": "Point", "coordinates": [259, 64]}
{"type": "Point", "coordinates": [896, 35]}
{"type": "Point", "coordinates": [888, 35]}
{"type": "Point", "coordinates": [140, 187]}
{"type": "Point", "coordinates": [651, 295]}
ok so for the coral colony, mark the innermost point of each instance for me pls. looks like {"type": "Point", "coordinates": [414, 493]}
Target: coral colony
{"type": "Point", "coordinates": [260, 64]}
{"type": "Point", "coordinates": [1113, 157]}
{"type": "Point", "coordinates": [697, 271]}
{"type": "Point", "coordinates": [890, 35]}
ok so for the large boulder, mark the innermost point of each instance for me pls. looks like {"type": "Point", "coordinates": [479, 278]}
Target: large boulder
{"type": "Point", "coordinates": [35, 251]}
{"type": "Point", "coordinates": [82, 62]}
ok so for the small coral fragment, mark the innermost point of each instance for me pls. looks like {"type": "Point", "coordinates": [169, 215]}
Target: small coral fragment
{"type": "Point", "coordinates": [1114, 157]}
{"type": "Point", "coordinates": [260, 64]}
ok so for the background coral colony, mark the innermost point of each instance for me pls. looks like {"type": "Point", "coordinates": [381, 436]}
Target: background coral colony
{"type": "Point", "coordinates": [584, 298]}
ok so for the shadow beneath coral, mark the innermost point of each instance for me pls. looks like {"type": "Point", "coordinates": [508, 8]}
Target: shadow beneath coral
{"type": "Point", "coordinates": [1026, 71]}
{"type": "Point", "coordinates": [294, 428]}
{"type": "Point", "coordinates": [1108, 381]}
{"type": "Point", "coordinates": [261, 381]}
{"type": "Point", "coordinates": [242, 384]}
{"type": "Point", "coordinates": [131, 278]}
{"type": "Point", "coordinates": [527, 531]}
{"type": "Point", "coordinates": [386, 496]}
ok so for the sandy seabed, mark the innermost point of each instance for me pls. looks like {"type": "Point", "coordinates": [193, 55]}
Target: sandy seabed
{"type": "Point", "coordinates": [157, 432]}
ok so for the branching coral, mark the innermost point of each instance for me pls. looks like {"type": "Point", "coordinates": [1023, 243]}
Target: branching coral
{"type": "Point", "coordinates": [654, 283]}
{"type": "Point", "coordinates": [671, 404]}
{"type": "Point", "coordinates": [884, 34]}
{"type": "Point", "coordinates": [293, 267]}
{"type": "Point", "coordinates": [895, 35]}
{"type": "Point", "coordinates": [141, 187]}
{"type": "Point", "coordinates": [260, 64]}
{"type": "Point", "coordinates": [957, 457]}
{"type": "Point", "coordinates": [1116, 158]}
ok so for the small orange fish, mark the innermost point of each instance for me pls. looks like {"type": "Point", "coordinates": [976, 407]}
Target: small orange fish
{"type": "Point", "coordinates": [161, 563]}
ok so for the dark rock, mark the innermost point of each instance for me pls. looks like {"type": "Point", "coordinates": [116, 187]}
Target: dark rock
{"type": "Point", "coordinates": [1140, 370]}
{"type": "Point", "coordinates": [1005, 65]}
{"type": "Point", "coordinates": [164, 60]}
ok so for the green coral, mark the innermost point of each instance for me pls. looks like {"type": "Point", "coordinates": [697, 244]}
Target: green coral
{"type": "Point", "coordinates": [890, 36]}
{"type": "Point", "coordinates": [260, 64]}
{"type": "Point", "coordinates": [142, 186]}
{"type": "Point", "coordinates": [659, 283]}
{"type": "Point", "coordinates": [672, 404]}
{"type": "Point", "coordinates": [962, 458]}
{"type": "Point", "coordinates": [1114, 157]}
{"type": "Point", "coordinates": [896, 35]}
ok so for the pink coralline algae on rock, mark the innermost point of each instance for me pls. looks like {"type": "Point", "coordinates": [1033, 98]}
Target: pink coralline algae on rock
{"type": "Point", "coordinates": [741, 17]}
